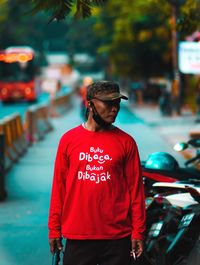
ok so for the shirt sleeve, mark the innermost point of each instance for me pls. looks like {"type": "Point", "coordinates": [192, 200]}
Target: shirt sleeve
{"type": "Point", "coordinates": [133, 173]}
{"type": "Point", "coordinates": [58, 192]}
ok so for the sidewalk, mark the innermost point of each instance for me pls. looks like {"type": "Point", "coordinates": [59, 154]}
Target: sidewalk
{"type": "Point", "coordinates": [174, 128]}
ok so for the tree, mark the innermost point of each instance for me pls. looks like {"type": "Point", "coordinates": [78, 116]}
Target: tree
{"type": "Point", "coordinates": [18, 29]}
{"type": "Point", "coordinates": [188, 19]}
{"type": "Point", "coordinates": [60, 9]}
{"type": "Point", "coordinates": [137, 35]}
{"type": "Point", "coordinates": [135, 38]}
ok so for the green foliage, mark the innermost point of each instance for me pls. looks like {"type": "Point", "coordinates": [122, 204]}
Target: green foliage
{"type": "Point", "coordinates": [188, 20]}
{"type": "Point", "coordinates": [138, 34]}
{"type": "Point", "coordinates": [18, 28]}
{"type": "Point", "coordinates": [3, 10]}
{"type": "Point", "coordinates": [60, 9]}
{"type": "Point", "coordinates": [135, 37]}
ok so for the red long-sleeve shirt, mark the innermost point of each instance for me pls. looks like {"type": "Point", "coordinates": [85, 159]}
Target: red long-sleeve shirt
{"type": "Point", "coordinates": [97, 190]}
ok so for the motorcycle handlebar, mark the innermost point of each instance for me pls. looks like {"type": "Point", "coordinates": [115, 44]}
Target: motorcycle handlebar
{"type": "Point", "coordinates": [189, 161]}
{"type": "Point", "coordinates": [194, 142]}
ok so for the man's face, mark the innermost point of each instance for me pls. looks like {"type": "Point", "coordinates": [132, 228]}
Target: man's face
{"type": "Point", "coordinates": [108, 110]}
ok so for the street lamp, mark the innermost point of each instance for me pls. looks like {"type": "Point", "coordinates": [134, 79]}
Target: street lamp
{"type": "Point", "coordinates": [176, 87]}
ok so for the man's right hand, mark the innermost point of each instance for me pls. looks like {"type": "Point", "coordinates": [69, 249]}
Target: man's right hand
{"type": "Point", "coordinates": [55, 243]}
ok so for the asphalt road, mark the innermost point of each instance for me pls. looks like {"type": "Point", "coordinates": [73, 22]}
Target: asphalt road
{"type": "Point", "coordinates": [20, 106]}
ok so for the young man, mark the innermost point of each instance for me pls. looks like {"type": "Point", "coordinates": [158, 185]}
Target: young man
{"type": "Point", "coordinates": [97, 200]}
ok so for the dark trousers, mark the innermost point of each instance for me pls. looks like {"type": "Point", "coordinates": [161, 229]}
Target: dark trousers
{"type": "Point", "coordinates": [101, 252]}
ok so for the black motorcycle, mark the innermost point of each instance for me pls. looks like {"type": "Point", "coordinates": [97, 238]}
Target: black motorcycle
{"type": "Point", "coordinates": [173, 209]}
{"type": "Point", "coordinates": [173, 228]}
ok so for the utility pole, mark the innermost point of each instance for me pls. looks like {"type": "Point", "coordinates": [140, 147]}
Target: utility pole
{"type": "Point", "coordinates": [176, 84]}
{"type": "Point", "coordinates": [174, 43]}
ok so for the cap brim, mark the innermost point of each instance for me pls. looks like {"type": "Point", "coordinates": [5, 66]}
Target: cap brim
{"type": "Point", "coordinates": [112, 96]}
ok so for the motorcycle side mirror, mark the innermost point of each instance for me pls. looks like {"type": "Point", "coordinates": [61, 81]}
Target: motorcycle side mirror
{"type": "Point", "coordinates": [180, 146]}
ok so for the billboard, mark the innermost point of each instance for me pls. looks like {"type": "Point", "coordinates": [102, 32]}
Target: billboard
{"type": "Point", "coordinates": [189, 57]}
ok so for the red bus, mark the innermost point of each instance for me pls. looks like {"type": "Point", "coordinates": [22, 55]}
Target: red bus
{"type": "Point", "coordinates": [18, 74]}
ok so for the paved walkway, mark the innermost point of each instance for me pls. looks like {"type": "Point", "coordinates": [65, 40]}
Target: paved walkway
{"type": "Point", "coordinates": [173, 129]}
{"type": "Point", "coordinates": [23, 216]}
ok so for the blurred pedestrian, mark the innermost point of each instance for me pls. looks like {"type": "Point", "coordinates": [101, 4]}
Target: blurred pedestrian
{"type": "Point", "coordinates": [97, 200]}
{"type": "Point", "coordinates": [165, 103]}
{"type": "Point", "coordinates": [52, 87]}
{"type": "Point", "coordinates": [70, 78]}
{"type": "Point", "coordinates": [83, 93]}
{"type": "Point", "coordinates": [175, 97]}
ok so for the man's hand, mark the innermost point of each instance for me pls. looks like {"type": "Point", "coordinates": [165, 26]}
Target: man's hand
{"type": "Point", "coordinates": [55, 243]}
{"type": "Point", "coordinates": [137, 248]}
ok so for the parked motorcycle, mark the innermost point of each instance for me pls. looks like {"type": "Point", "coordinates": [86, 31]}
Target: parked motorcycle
{"type": "Point", "coordinates": [163, 167]}
{"type": "Point", "coordinates": [173, 209]}
{"type": "Point", "coordinates": [173, 224]}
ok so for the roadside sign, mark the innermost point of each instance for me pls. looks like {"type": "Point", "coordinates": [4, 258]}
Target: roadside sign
{"type": "Point", "coordinates": [189, 57]}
